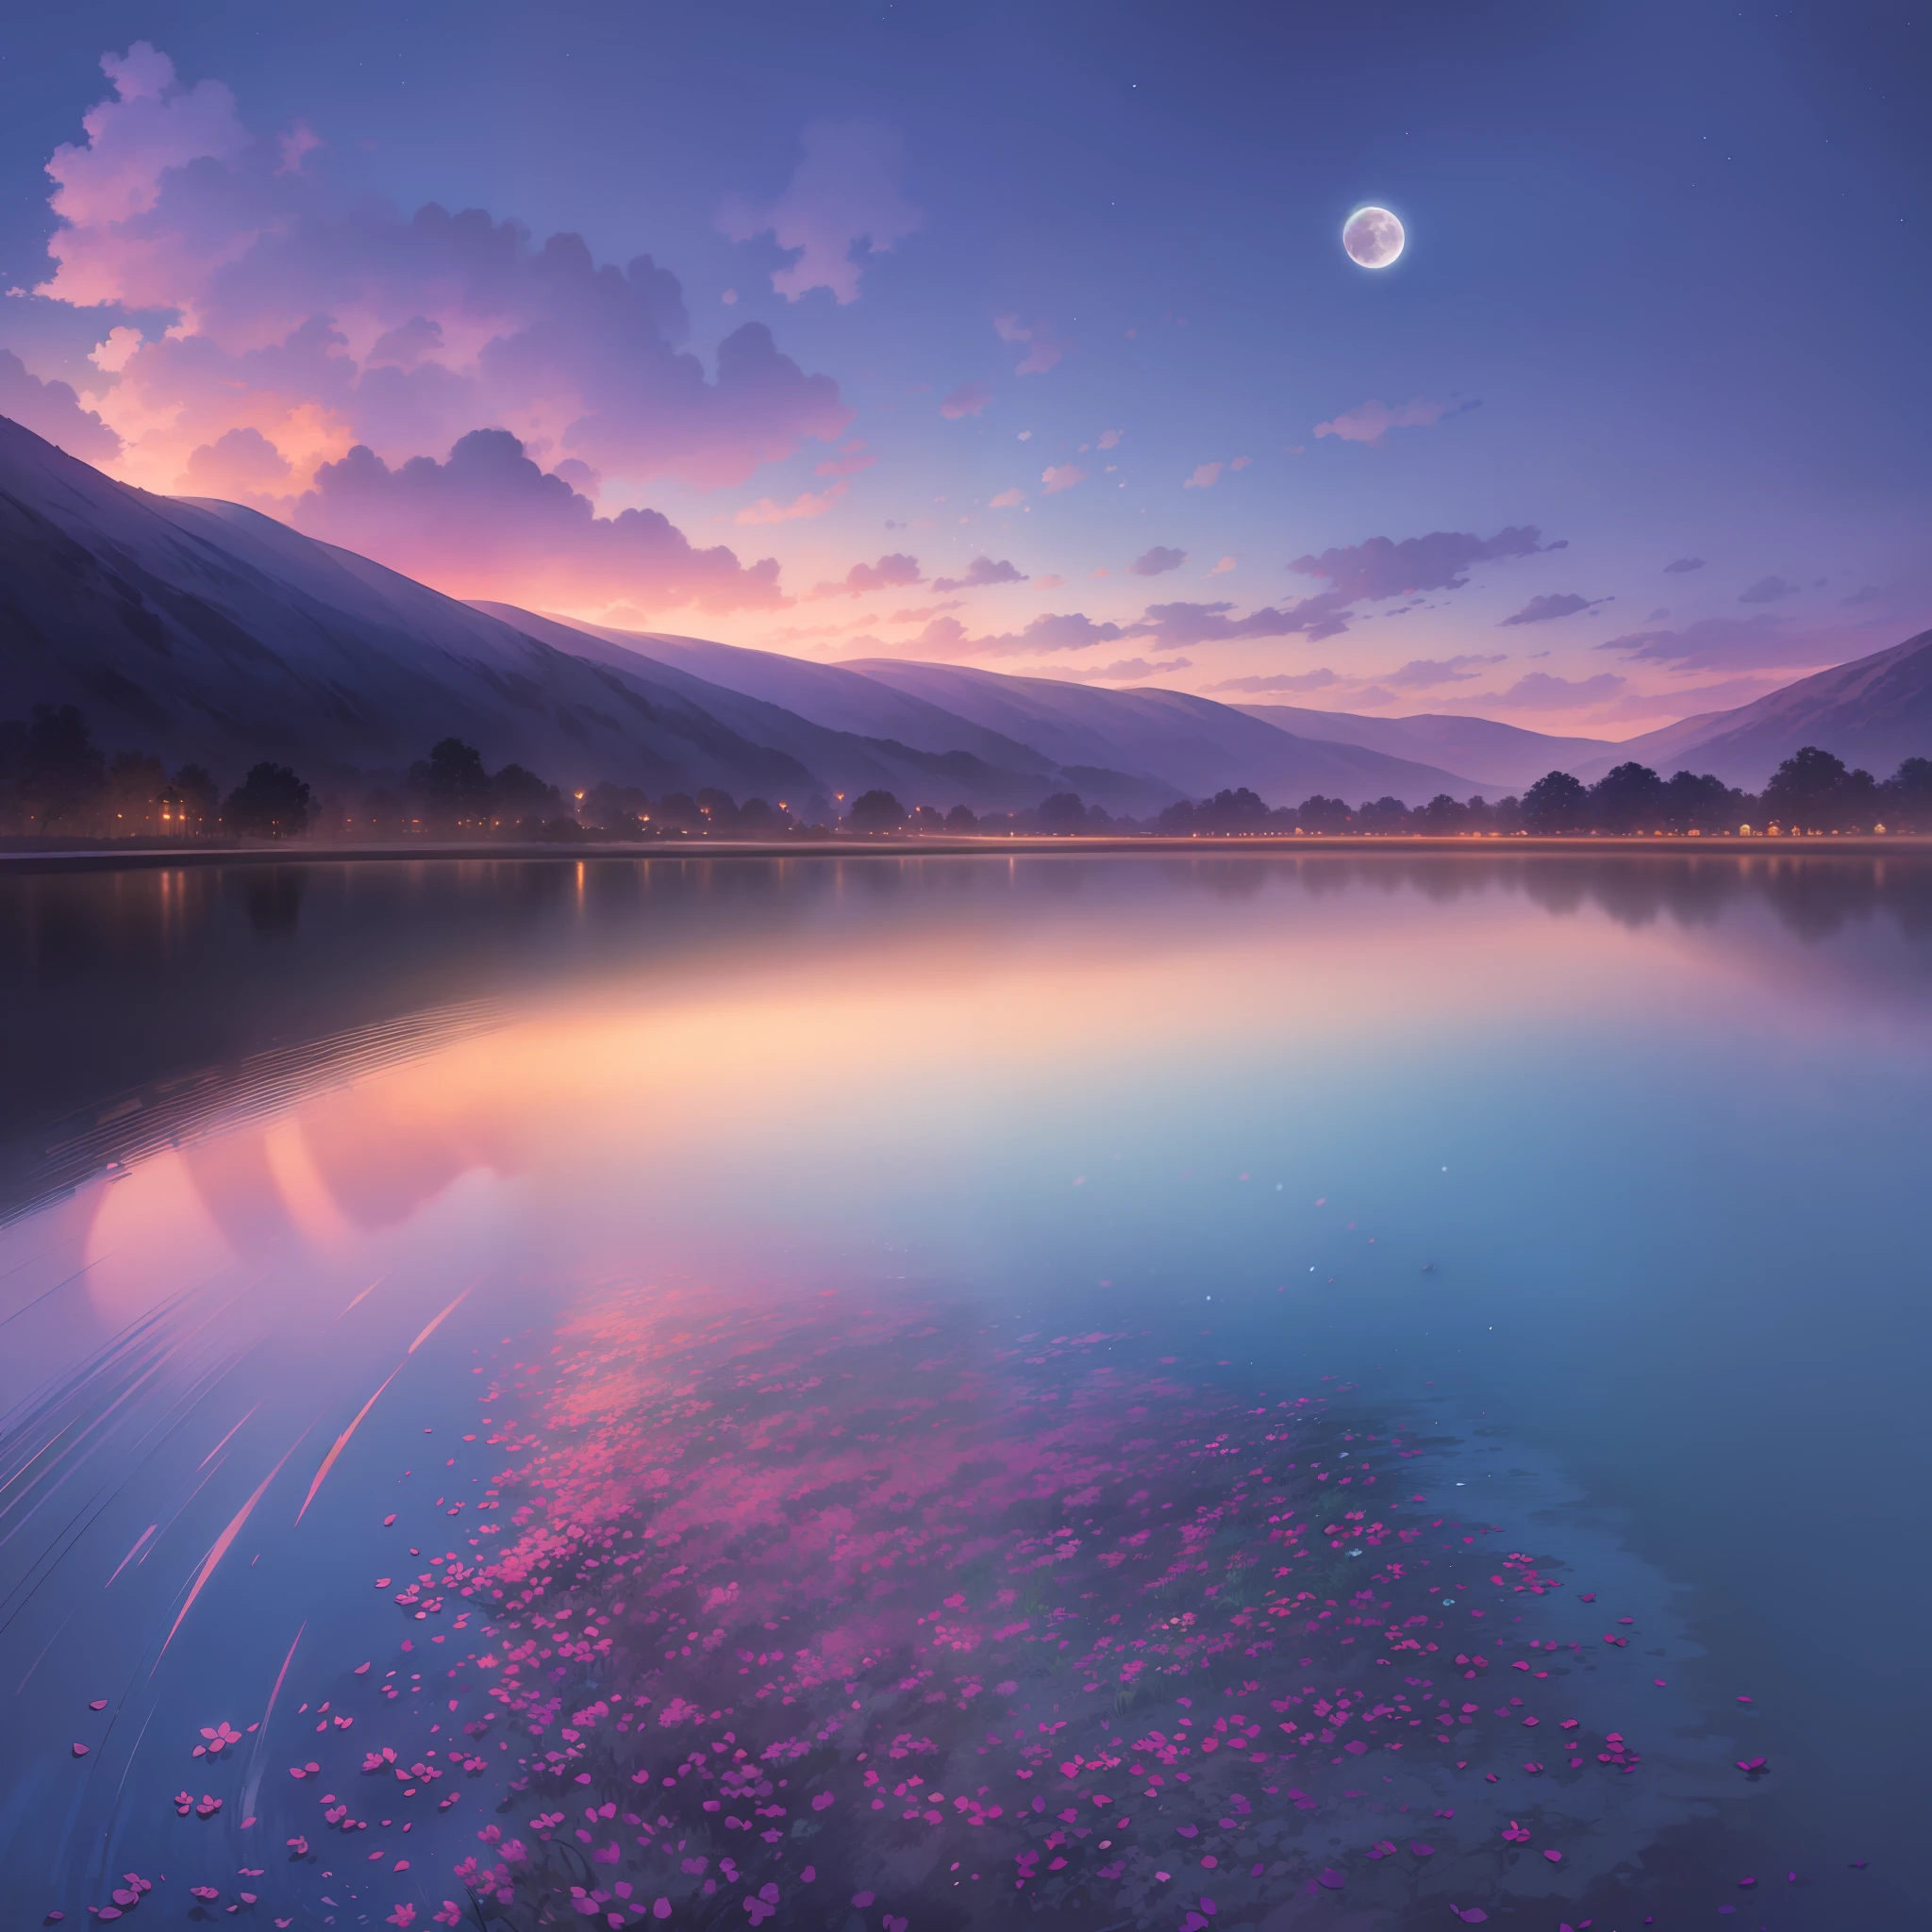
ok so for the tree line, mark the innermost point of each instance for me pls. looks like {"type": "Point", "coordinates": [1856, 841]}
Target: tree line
{"type": "Point", "coordinates": [54, 782]}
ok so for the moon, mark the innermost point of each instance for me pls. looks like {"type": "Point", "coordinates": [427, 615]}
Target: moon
{"type": "Point", "coordinates": [1373, 237]}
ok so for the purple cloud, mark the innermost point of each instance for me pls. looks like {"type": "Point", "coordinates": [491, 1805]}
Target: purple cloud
{"type": "Point", "coordinates": [1280, 681]}
{"type": "Point", "coordinates": [1135, 668]}
{"type": "Point", "coordinates": [1151, 563]}
{"type": "Point", "coordinates": [844, 192]}
{"type": "Point", "coordinates": [1562, 604]}
{"type": "Point", "coordinates": [1683, 563]}
{"type": "Point", "coordinates": [1766, 591]}
{"type": "Point", "coordinates": [1542, 690]}
{"type": "Point", "coordinates": [969, 399]}
{"type": "Point", "coordinates": [1381, 567]}
{"type": "Point", "coordinates": [1373, 420]}
{"type": "Point", "coordinates": [1424, 674]}
{"type": "Point", "coordinates": [979, 572]}
{"type": "Point", "coordinates": [172, 204]}
{"type": "Point", "coordinates": [53, 410]}
{"type": "Point", "coordinates": [1729, 644]}
{"type": "Point", "coordinates": [1043, 352]}
{"type": "Point", "coordinates": [493, 524]}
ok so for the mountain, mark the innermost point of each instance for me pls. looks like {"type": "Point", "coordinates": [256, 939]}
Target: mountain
{"type": "Point", "coordinates": [1192, 742]}
{"type": "Point", "coordinates": [202, 630]}
{"type": "Point", "coordinates": [1875, 712]}
{"type": "Point", "coordinates": [955, 762]}
{"type": "Point", "coordinates": [1500, 758]}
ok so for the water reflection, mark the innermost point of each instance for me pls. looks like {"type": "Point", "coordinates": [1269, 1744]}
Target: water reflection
{"type": "Point", "coordinates": [605, 1161]}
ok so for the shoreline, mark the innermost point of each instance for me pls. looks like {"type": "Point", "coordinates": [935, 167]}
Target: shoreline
{"type": "Point", "coordinates": [143, 857]}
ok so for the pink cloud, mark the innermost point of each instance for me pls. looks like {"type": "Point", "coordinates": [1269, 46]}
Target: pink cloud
{"type": "Point", "coordinates": [896, 570]}
{"type": "Point", "coordinates": [843, 191]}
{"type": "Point", "coordinates": [1373, 420]}
{"type": "Point", "coordinates": [1007, 499]}
{"type": "Point", "coordinates": [1042, 351]}
{"type": "Point", "coordinates": [489, 522]}
{"type": "Point", "coordinates": [1058, 477]}
{"type": "Point", "coordinates": [52, 410]}
{"type": "Point", "coordinates": [805, 504]}
{"type": "Point", "coordinates": [851, 459]}
{"type": "Point", "coordinates": [969, 399]}
{"type": "Point", "coordinates": [321, 322]}
{"type": "Point", "coordinates": [1203, 477]}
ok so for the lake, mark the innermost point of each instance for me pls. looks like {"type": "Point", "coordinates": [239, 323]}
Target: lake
{"type": "Point", "coordinates": [1241, 1390]}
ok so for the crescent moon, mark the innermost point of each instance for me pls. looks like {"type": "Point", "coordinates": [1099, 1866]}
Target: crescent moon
{"type": "Point", "coordinates": [1373, 237]}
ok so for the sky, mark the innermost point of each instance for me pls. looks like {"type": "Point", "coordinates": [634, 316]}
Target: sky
{"type": "Point", "coordinates": [1023, 336]}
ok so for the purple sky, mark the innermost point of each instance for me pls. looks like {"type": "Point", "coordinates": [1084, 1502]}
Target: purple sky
{"type": "Point", "coordinates": [1024, 336]}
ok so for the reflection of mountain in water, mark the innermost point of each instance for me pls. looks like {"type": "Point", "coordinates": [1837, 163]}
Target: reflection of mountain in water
{"type": "Point", "coordinates": [135, 1007]}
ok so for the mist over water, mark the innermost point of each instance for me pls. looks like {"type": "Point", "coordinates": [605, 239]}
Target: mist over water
{"type": "Point", "coordinates": [522, 1202]}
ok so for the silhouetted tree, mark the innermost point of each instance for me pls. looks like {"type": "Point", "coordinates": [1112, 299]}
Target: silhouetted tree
{"type": "Point", "coordinates": [196, 801]}
{"type": "Point", "coordinates": [451, 784]}
{"type": "Point", "coordinates": [962, 818]}
{"type": "Point", "coordinates": [1063, 812]}
{"type": "Point", "coordinates": [928, 818]}
{"type": "Point", "coordinates": [136, 786]}
{"type": "Point", "coordinates": [1319, 814]}
{"type": "Point", "coordinates": [62, 774]}
{"type": "Point", "coordinates": [1812, 791]}
{"type": "Point", "coordinates": [1442, 814]}
{"type": "Point", "coordinates": [1907, 795]}
{"type": "Point", "coordinates": [1702, 804]}
{"type": "Point", "coordinates": [619, 810]}
{"type": "Point", "coordinates": [1628, 798]}
{"type": "Point", "coordinates": [270, 802]}
{"type": "Point", "coordinates": [719, 810]}
{"type": "Point", "coordinates": [518, 796]}
{"type": "Point", "coordinates": [875, 811]}
{"type": "Point", "coordinates": [1557, 803]}
{"type": "Point", "coordinates": [677, 811]}
{"type": "Point", "coordinates": [1385, 814]}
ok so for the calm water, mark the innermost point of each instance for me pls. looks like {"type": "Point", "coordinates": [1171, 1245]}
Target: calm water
{"type": "Point", "coordinates": [911, 1393]}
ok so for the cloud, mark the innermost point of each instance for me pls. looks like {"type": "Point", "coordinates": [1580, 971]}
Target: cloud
{"type": "Point", "coordinates": [1072, 630]}
{"type": "Point", "coordinates": [53, 410]}
{"type": "Point", "coordinates": [1424, 674]}
{"type": "Point", "coordinates": [1130, 667]}
{"type": "Point", "coordinates": [1058, 477]}
{"type": "Point", "coordinates": [969, 399]}
{"type": "Point", "coordinates": [1151, 563]}
{"type": "Point", "coordinates": [1730, 644]}
{"type": "Point", "coordinates": [322, 321]}
{"type": "Point", "coordinates": [1280, 680]}
{"type": "Point", "coordinates": [1542, 690]}
{"type": "Point", "coordinates": [1373, 420]}
{"type": "Point", "coordinates": [1559, 604]}
{"type": "Point", "coordinates": [1007, 499]}
{"type": "Point", "coordinates": [1109, 439]}
{"type": "Point", "coordinates": [1683, 563]}
{"type": "Point", "coordinates": [1382, 567]}
{"type": "Point", "coordinates": [979, 572]}
{"type": "Point", "coordinates": [241, 465]}
{"type": "Point", "coordinates": [1766, 591]}
{"type": "Point", "coordinates": [924, 613]}
{"type": "Point", "coordinates": [1176, 625]}
{"type": "Point", "coordinates": [807, 502]}
{"type": "Point", "coordinates": [1223, 566]}
{"type": "Point", "coordinates": [491, 524]}
{"type": "Point", "coordinates": [849, 461]}
{"type": "Point", "coordinates": [1042, 351]}
{"type": "Point", "coordinates": [1203, 475]}
{"type": "Point", "coordinates": [896, 570]}
{"type": "Point", "coordinates": [843, 191]}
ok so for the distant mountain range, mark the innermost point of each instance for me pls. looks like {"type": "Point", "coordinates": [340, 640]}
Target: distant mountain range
{"type": "Point", "coordinates": [204, 631]}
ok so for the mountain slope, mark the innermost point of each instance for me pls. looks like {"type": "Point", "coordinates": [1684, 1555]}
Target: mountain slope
{"type": "Point", "coordinates": [1193, 743]}
{"type": "Point", "coordinates": [1500, 759]}
{"type": "Point", "coordinates": [959, 764]}
{"type": "Point", "coordinates": [202, 630]}
{"type": "Point", "coordinates": [1873, 711]}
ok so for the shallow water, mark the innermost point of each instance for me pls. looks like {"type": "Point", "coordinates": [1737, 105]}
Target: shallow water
{"type": "Point", "coordinates": [770, 1253]}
